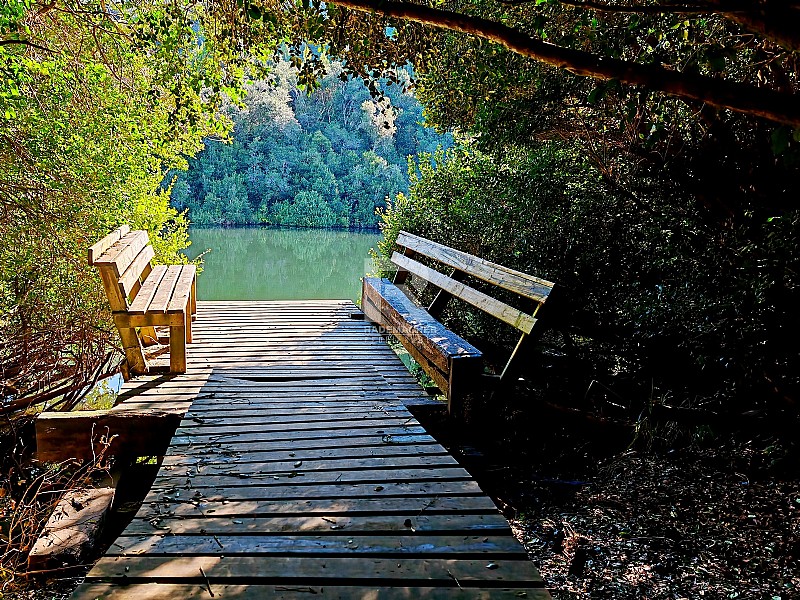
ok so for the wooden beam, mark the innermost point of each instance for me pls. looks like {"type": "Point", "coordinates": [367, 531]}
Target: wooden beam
{"type": "Point", "coordinates": [72, 529]}
{"type": "Point", "coordinates": [405, 320]}
{"type": "Point", "coordinates": [443, 297]}
{"type": "Point", "coordinates": [508, 314]}
{"type": "Point", "coordinates": [62, 436]}
{"type": "Point", "coordinates": [509, 279]}
{"type": "Point", "coordinates": [112, 238]}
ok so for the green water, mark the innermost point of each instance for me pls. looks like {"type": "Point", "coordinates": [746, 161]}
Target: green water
{"type": "Point", "coordinates": [281, 264]}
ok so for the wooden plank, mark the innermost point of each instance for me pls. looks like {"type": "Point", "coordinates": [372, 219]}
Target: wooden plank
{"type": "Point", "coordinates": [377, 504]}
{"type": "Point", "coordinates": [129, 281]}
{"type": "Point", "coordinates": [492, 547]}
{"type": "Point", "coordinates": [121, 254]}
{"type": "Point", "coordinates": [112, 238]}
{"type": "Point", "coordinates": [300, 591]}
{"type": "Point", "coordinates": [63, 436]}
{"type": "Point", "coordinates": [509, 279]}
{"type": "Point", "coordinates": [183, 289]}
{"type": "Point", "coordinates": [264, 456]}
{"type": "Point", "coordinates": [240, 478]}
{"type": "Point", "coordinates": [406, 320]}
{"type": "Point", "coordinates": [247, 466]}
{"type": "Point", "coordinates": [391, 435]}
{"type": "Point", "coordinates": [285, 569]}
{"type": "Point", "coordinates": [300, 427]}
{"type": "Point", "coordinates": [72, 529]}
{"type": "Point", "coordinates": [489, 524]}
{"type": "Point", "coordinates": [164, 291]}
{"type": "Point", "coordinates": [148, 291]}
{"type": "Point", "coordinates": [337, 491]}
{"type": "Point", "coordinates": [508, 314]}
{"type": "Point", "coordinates": [258, 443]}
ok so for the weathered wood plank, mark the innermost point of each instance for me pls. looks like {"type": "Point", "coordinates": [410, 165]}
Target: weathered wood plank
{"type": "Point", "coordinates": [336, 491]}
{"type": "Point", "coordinates": [72, 529]}
{"type": "Point", "coordinates": [508, 314]}
{"type": "Point", "coordinates": [266, 456]}
{"type": "Point", "coordinates": [509, 279]}
{"type": "Point", "coordinates": [491, 524]}
{"type": "Point", "coordinates": [467, 546]}
{"type": "Point", "coordinates": [242, 478]}
{"type": "Point", "coordinates": [97, 249]}
{"type": "Point", "coordinates": [242, 467]}
{"type": "Point", "coordinates": [301, 591]}
{"type": "Point", "coordinates": [259, 443]}
{"type": "Point", "coordinates": [62, 436]}
{"type": "Point", "coordinates": [406, 320]}
{"type": "Point", "coordinates": [147, 292]}
{"type": "Point", "coordinates": [377, 504]}
{"type": "Point", "coordinates": [276, 569]}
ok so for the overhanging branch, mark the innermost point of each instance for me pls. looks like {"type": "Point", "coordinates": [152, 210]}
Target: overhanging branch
{"type": "Point", "coordinates": [738, 97]}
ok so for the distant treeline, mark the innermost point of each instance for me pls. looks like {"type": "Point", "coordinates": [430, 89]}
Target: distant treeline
{"type": "Point", "coordinates": [327, 159]}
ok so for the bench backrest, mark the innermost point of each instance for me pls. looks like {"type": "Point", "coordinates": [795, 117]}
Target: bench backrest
{"type": "Point", "coordinates": [462, 264]}
{"type": "Point", "coordinates": [123, 259]}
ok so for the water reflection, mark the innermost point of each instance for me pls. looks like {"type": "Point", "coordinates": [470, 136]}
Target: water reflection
{"type": "Point", "coordinates": [281, 264]}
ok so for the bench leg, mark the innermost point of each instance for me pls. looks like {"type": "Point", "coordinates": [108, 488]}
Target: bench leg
{"type": "Point", "coordinates": [193, 299]}
{"type": "Point", "coordinates": [189, 317]}
{"type": "Point", "coordinates": [149, 337]}
{"type": "Point", "coordinates": [177, 347]}
{"type": "Point", "coordinates": [133, 351]}
{"type": "Point", "coordinates": [463, 384]}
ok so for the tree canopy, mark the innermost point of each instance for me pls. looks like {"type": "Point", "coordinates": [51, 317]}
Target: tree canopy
{"type": "Point", "coordinates": [324, 159]}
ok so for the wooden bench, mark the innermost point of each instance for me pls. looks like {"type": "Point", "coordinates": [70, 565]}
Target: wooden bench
{"type": "Point", "coordinates": [142, 296]}
{"type": "Point", "coordinates": [454, 364]}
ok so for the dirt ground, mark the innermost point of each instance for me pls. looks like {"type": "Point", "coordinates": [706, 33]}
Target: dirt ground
{"type": "Point", "coordinates": [718, 522]}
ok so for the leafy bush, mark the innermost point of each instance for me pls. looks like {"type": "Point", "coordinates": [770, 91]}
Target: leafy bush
{"type": "Point", "coordinates": [655, 299]}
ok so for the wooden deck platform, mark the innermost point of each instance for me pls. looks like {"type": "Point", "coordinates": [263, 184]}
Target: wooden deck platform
{"type": "Point", "coordinates": [299, 472]}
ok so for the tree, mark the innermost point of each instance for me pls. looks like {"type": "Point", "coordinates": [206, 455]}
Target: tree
{"type": "Point", "coordinates": [331, 141]}
{"type": "Point", "coordinates": [743, 97]}
{"type": "Point", "coordinates": [97, 102]}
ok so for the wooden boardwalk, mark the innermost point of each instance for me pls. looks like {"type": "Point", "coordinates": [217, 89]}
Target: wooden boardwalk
{"type": "Point", "coordinates": [298, 472]}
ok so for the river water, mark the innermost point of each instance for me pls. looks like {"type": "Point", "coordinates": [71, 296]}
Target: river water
{"type": "Point", "coordinates": [281, 264]}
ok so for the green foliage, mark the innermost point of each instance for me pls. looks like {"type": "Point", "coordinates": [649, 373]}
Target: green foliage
{"type": "Point", "coordinates": [659, 302]}
{"type": "Point", "coordinates": [90, 121]}
{"type": "Point", "coordinates": [336, 153]}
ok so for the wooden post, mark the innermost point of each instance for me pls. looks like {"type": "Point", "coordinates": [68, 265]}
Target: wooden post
{"type": "Point", "coordinates": [443, 297]}
{"type": "Point", "coordinates": [133, 349]}
{"type": "Point", "coordinates": [193, 297]}
{"type": "Point", "coordinates": [401, 275]}
{"type": "Point", "coordinates": [462, 383]}
{"type": "Point", "coordinates": [189, 322]}
{"type": "Point", "coordinates": [177, 346]}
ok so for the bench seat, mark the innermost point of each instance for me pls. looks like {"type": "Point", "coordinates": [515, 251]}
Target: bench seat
{"type": "Point", "coordinates": [440, 351]}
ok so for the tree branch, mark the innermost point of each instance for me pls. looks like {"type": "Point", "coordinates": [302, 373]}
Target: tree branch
{"type": "Point", "coordinates": [654, 9]}
{"type": "Point", "coordinates": [27, 43]}
{"type": "Point", "coordinates": [738, 97]}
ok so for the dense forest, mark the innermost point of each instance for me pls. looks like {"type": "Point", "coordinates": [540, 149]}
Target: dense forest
{"type": "Point", "coordinates": [326, 157]}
